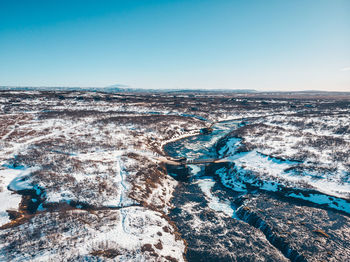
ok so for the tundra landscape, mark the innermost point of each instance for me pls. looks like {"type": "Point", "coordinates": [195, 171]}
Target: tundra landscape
{"type": "Point", "coordinates": [174, 176]}
{"type": "Point", "coordinates": [174, 131]}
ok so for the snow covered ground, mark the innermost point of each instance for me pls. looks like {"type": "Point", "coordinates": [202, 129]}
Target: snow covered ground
{"type": "Point", "coordinates": [308, 152]}
{"type": "Point", "coordinates": [91, 155]}
{"type": "Point", "coordinates": [134, 233]}
{"type": "Point", "coordinates": [9, 199]}
{"type": "Point", "coordinates": [90, 161]}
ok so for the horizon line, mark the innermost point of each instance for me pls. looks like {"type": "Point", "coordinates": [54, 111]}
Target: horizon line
{"type": "Point", "coordinates": [126, 88]}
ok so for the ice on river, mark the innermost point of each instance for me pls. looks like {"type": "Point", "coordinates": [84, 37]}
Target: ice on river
{"type": "Point", "coordinates": [214, 202]}
{"type": "Point", "coordinates": [270, 169]}
{"type": "Point", "coordinates": [271, 174]}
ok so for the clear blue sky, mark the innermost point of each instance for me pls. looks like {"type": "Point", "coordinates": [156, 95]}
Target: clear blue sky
{"type": "Point", "coordinates": [264, 45]}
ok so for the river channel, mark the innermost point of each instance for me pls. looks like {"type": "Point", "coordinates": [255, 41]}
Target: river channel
{"type": "Point", "coordinates": [209, 214]}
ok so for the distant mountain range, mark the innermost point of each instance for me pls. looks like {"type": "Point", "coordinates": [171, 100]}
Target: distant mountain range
{"type": "Point", "coordinates": [125, 89]}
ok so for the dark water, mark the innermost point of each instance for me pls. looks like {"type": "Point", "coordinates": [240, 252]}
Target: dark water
{"type": "Point", "coordinates": [199, 188]}
{"type": "Point", "coordinates": [200, 146]}
{"type": "Point", "coordinates": [205, 211]}
{"type": "Point", "coordinates": [204, 146]}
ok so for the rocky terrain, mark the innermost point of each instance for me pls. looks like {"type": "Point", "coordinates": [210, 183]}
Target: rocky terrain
{"type": "Point", "coordinates": [83, 176]}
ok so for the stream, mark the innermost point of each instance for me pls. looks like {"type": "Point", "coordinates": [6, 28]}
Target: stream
{"type": "Point", "coordinates": [207, 210]}
{"type": "Point", "coordinates": [200, 196]}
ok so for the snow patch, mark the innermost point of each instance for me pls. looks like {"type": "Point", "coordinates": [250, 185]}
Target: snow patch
{"type": "Point", "coordinates": [12, 179]}
{"type": "Point", "coordinates": [214, 203]}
